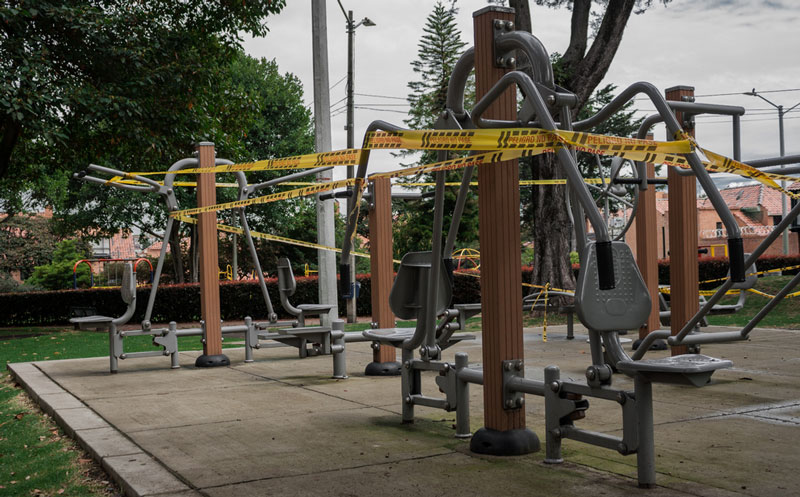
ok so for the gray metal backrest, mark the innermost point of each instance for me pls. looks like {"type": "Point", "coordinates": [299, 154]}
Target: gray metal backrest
{"type": "Point", "coordinates": [626, 306]}
{"type": "Point", "coordinates": [410, 288]}
{"type": "Point", "coordinates": [128, 289]}
{"type": "Point", "coordinates": [286, 282]}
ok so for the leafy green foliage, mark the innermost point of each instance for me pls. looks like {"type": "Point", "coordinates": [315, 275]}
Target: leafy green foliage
{"type": "Point", "coordinates": [439, 49]}
{"type": "Point", "coordinates": [25, 242]}
{"type": "Point", "coordinates": [58, 274]}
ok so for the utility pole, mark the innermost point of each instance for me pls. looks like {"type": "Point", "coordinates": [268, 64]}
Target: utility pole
{"type": "Point", "coordinates": [322, 143]}
{"type": "Point", "coordinates": [351, 60]}
{"type": "Point", "coordinates": [781, 112]}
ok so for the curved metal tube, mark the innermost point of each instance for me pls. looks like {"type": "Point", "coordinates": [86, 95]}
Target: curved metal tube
{"type": "Point", "coordinates": [458, 83]}
{"type": "Point", "coordinates": [565, 157]}
{"type": "Point", "coordinates": [535, 51]}
{"type": "Point", "coordinates": [735, 248]}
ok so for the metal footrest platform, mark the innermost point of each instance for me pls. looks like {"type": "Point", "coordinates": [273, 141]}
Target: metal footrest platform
{"type": "Point", "coordinates": [686, 369]}
{"type": "Point", "coordinates": [92, 322]}
{"type": "Point", "coordinates": [396, 336]}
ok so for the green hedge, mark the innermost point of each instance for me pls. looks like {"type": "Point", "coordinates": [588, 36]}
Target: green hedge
{"type": "Point", "coordinates": [181, 303]}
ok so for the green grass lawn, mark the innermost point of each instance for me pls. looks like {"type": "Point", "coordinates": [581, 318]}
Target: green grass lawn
{"type": "Point", "coordinates": [784, 315]}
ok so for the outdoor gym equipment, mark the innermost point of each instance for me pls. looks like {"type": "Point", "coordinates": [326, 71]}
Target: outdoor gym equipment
{"type": "Point", "coordinates": [331, 339]}
{"type": "Point", "coordinates": [610, 294]}
{"type": "Point", "coordinates": [89, 262]}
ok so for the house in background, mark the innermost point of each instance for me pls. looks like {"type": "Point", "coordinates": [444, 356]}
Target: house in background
{"type": "Point", "coordinates": [756, 208]}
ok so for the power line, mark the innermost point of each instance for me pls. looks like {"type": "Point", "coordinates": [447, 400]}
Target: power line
{"type": "Point", "coordinates": [380, 96]}
{"type": "Point", "coordinates": [381, 110]}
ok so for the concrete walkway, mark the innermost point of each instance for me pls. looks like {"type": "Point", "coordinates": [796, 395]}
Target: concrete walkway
{"type": "Point", "coordinates": [282, 426]}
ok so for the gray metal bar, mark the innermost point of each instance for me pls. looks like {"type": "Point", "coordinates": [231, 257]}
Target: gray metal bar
{"type": "Point", "coordinates": [774, 161]}
{"type": "Point", "coordinates": [646, 452]}
{"type": "Point", "coordinates": [151, 300]}
{"type": "Point", "coordinates": [422, 400]}
{"type": "Point", "coordinates": [458, 83]}
{"type": "Point", "coordinates": [737, 138]}
{"type": "Point", "coordinates": [552, 377]}
{"type": "Point", "coordinates": [271, 315]}
{"type": "Point", "coordinates": [648, 340]}
{"type": "Point", "coordinates": [458, 211]}
{"type": "Point", "coordinates": [338, 349]}
{"type": "Point", "coordinates": [135, 355]}
{"type": "Point", "coordinates": [462, 397]}
{"type": "Point", "coordinates": [590, 437]}
{"type": "Point", "coordinates": [289, 177]}
{"type": "Point", "coordinates": [470, 375]}
{"type": "Point", "coordinates": [524, 385]}
{"type": "Point", "coordinates": [407, 385]}
{"type": "Point", "coordinates": [768, 307]}
{"type": "Point", "coordinates": [174, 362]}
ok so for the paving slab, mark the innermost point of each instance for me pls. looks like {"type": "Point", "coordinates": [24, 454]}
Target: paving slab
{"type": "Point", "coordinates": [140, 476]}
{"type": "Point", "coordinates": [106, 442]}
{"type": "Point", "coordinates": [81, 418]}
{"type": "Point", "coordinates": [50, 402]}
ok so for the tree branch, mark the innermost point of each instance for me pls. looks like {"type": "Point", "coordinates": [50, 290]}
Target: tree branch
{"type": "Point", "coordinates": [579, 33]}
{"type": "Point", "coordinates": [11, 130]}
{"type": "Point", "coordinates": [593, 67]}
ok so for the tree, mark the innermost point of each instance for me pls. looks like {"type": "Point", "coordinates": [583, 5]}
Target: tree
{"type": "Point", "coordinates": [25, 242]}
{"type": "Point", "coordinates": [439, 49]}
{"type": "Point", "coordinates": [57, 275]}
{"type": "Point", "coordinates": [580, 70]}
{"type": "Point", "coordinates": [125, 82]}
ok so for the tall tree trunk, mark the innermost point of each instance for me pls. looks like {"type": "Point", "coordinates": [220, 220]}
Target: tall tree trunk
{"type": "Point", "coordinates": [175, 248]}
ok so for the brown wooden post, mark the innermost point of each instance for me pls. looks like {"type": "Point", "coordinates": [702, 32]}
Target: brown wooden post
{"type": "Point", "coordinates": [504, 431]}
{"type": "Point", "coordinates": [209, 262]}
{"type": "Point", "coordinates": [384, 358]}
{"type": "Point", "coordinates": [647, 249]}
{"type": "Point", "coordinates": [683, 271]}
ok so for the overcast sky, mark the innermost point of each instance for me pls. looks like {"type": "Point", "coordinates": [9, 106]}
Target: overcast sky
{"type": "Point", "coordinates": [717, 46]}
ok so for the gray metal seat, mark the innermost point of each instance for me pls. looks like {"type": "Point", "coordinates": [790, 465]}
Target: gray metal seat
{"type": "Point", "coordinates": [128, 293]}
{"type": "Point", "coordinates": [287, 285]}
{"type": "Point", "coordinates": [409, 296]}
{"type": "Point", "coordinates": [686, 369]}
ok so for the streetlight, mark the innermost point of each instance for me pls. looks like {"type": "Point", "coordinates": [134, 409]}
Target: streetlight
{"type": "Point", "coordinates": [351, 32]}
{"type": "Point", "coordinates": [781, 112]}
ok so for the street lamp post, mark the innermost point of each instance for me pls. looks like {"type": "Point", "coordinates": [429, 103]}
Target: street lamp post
{"type": "Point", "coordinates": [781, 112]}
{"type": "Point", "coordinates": [351, 32]}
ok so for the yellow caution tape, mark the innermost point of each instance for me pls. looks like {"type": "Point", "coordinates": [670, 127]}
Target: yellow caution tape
{"type": "Point", "coordinates": [274, 238]}
{"type": "Point", "coordinates": [274, 197]}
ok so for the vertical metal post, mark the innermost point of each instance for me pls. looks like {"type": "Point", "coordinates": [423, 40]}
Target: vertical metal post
{"type": "Point", "coordinates": [462, 398]}
{"type": "Point", "coordinates": [351, 32]}
{"type": "Point", "coordinates": [113, 353]}
{"type": "Point", "coordinates": [683, 271]}
{"type": "Point", "coordinates": [209, 262]}
{"type": "Point", "coordinates": [248, 339]}
{"type": "Point", "coordinates": [552, 376]}
{"type": "Point", "coordinates": [504, 431]}
{"type": "Point", "coordinates": [384, 358]}
{"type": "Point", "coordinates": [407, 385]}
{"type": "Point", "coordinates": [174, 361]}
{"type": "Point", "coordinates": [784, 208]}
{"type": "Point", "coordinates": [338, 350]}
{"type": "Point", "coordinates": [646, 453]}
{"type": "Point", "coordinates": [647, 248]}
{"type": "Point", "coordinates": [235, 262]}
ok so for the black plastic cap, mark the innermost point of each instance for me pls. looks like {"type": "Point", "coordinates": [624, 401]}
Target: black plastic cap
{"type": "Point", "coordinates": [212, 361]}
{"type": "Point", "coordinates": [383, 369]}
{"type": "Point", "coordinates": [605, 265]}
{"type": "Point", "coordinates": [344, 279]}
{"type": "Point", "coordinates": [504, 443]}
{"type": "Point", "coordinates": [736, 257]}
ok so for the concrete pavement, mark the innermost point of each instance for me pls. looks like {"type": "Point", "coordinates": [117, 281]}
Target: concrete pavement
{"type": "Point", "coordinates": [282, 426]}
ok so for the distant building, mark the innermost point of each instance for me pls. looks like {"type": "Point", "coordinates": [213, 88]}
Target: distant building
{"type": "Point", "coordinates": [756, 208]}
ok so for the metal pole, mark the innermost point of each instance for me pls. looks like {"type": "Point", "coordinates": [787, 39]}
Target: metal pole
{"type": "Point", "coordinates": [785, 235]}
{"type": "Point", "coordinates": [322, 143]}
{"type": "Point", "coordinates": [351, 31]}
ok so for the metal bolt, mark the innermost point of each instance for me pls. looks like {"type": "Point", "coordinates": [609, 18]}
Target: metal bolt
{"type": "Point", "coordinates": [509, 404]}
{"type": "Point", "coordinates": [507, 366]}
{"type": "Point", "coordinates": [622, 448]}
{"type": "Point", "coordinates": [555, 386]}
{"type": "Point", "coordinates": [501, 61]}
{"type": "Point", "coordinates": [622, 398]}
{"type": "Point", "coordinates": [551, 99]}
{"type": "Point", "coordinates": [591, 373]}
{"type": "Point", "coordinates": [556, 432]}
{"type": "Point", "coordinates": [123, 356]}
{"type": "Point", "coordinates": [408, 400]}
{"type": "Point", "coordinates": [447, 406]}
{"type": "Point", "coordinates": [518, 366]}
{"type": "Point", "coordinates": [446, 367]}
{"type": "Point", "coordinates": [445, 115]}
{"type": "Point", "coordinates": [499, 24]}
{"type": "Point", "coordinates": [509, 26]}
{"type": "Point", "coordinates": [520, 402]}
{"type": "Point", "coordinates": [407, 364]}
{"type": "Point", "coordinates": [423, 351]}
{"type": "Point", "coordinates": [511, 62]}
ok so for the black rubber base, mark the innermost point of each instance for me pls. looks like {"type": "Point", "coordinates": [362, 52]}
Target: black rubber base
{"type": "Point", "coordinates": [504, 443]}
{"type": "Point", "coordinates": [383, 369]}
{"type": "Point", "coordinates": [212, 361]}
{"type": "Point", "coordinates": [656, 345]}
